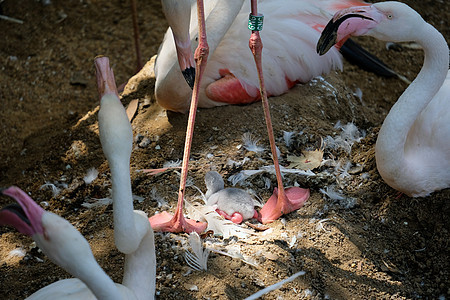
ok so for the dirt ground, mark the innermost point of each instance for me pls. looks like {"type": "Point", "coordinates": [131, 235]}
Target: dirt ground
{"type": "Point", "coordinates": [373, 243]}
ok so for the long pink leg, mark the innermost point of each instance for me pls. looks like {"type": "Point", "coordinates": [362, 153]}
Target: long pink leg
{"type": "Point", "coordinates": [281, 202]}
{"type": "Point", "coordinates": [178, 223]}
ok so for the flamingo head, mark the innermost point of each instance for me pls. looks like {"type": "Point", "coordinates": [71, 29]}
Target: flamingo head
{"type": "Point", "coordinates": [55, 236]}
{"type": "Point", "coordinates": [388, 21]}
{"type": "Point", "coordinates": [214, 183]}
{"type": "Point", "coordinates": [178, 15]}
{"type": "Point", "coordinates": [106, 83]}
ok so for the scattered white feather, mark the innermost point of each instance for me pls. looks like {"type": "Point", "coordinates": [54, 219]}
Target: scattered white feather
{"type": "Point", "coordinates": [287, 136]}
{"type": "Point", "coordinates": [197, 258]}
{"type": "Point", "coordinates": [242, 176]}
{"type": "Point", "coordinates": [319, 80]}
{"type": "Point", "coordinates": [293, 241]}
{"type": "Point", "coordinates": [331, 193]}
{"type": "Point", "coordinates": [90, 176]}
{"type": "Point", "coordinates": [172, 164]}
{"type": "Point", "coordinates": [319, 225]}
{"type": "Point", "coordinates": [342, 169]}
{"type": "Point", "coordinates": [274, 286]}
{"type": "Point", "coordinates": [137, 198]}
{"type": "Point", "coordinates": [350, 134]}
{"type": "Point", "coordinates": [271, 169]}
{"type": "Point", "coordinates": [358, 93]}
{"type": "Point", "coordinates": [18, 252]}
{"type": "Point", "coordinates": [365, 175]}
{"type": "Point", "coordinates": [267, 182]}
{"type": "Point", "coordinates": [160, 200]}
{"type": "Point", "coordinates": [189, 181]}
{"type": "Point", "coordinates": [233, 163]}
{"type": "Point", "coordinates": [94, 202]}
{"type": "Point", "coordinates": [344, 201]}
{"type": "Point", "coordinates": [251, 143]}
{"type": "Point", "coordinates": [55, 187]}
{"type": "Point", "coordinates": [278, 152]}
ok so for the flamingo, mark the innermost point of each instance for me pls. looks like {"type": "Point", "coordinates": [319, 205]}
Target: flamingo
{"type": "Point", "coordinates": [412, 150]}
{"type": "Point", "coordinates": [291, 31]}
{"type": "Point", "coordinates": [133, 234]}
{"type": "Point", "coordinates": [66, 247]}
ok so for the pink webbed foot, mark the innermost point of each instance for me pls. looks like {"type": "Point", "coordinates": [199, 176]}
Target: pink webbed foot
{"type": "Point", "coordinates": [236, 217]}
{"type": "Point", "coordinates": [282, 203]}
{"type": "Point", "coordinates": [166, 222]}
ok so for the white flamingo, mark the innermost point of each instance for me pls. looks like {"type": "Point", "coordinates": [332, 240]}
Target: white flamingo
{"type": "Point", "coordinates": [291, 31]}
{"type": "Point", "coordinates": [413, 149]}
{"type": "Point", "coordinates": [66, 247]}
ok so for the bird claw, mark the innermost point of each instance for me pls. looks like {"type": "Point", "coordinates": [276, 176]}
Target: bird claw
{"type": "Point", "coordinates": [165, 222]}
{"type": "Point", "coordinates": [283, 203]}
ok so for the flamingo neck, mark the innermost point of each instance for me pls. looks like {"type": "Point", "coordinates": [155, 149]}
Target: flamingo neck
{"type": "Point", "coordinates": [77, 260]}
{"type": "Point", "coordinates": [390, 146]}
{"type": "Point", "coordinates": [219, 21]}
{"type": "Point", "coordinates": [140, 266]}
{"type": "Point", "coordinates": [100, 284]}
{"type": "Point", "coordinates": [178, 15]}
{"type": "Point", "coordinates": [126, 237]}
{"type": "Point", "coordinates": [117, 139]}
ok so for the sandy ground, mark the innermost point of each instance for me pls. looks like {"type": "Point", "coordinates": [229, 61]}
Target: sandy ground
{"type": "Point", "coordinates": [374, 243]}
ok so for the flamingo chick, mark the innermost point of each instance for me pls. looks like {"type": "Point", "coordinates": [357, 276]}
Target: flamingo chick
{"type": "Point", "coordinates": [232, 203]}
{"type": "Point", "coordinates": [66, 247]}
{"type": "Point", "coordinates": [412, 150]}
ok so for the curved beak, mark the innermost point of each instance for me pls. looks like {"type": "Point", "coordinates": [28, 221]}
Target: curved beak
{"type": "Point", "coordinates": [25, 217]}
{"type": "Point", "coordinates": [106, 83]}
{"type": "Point", "coordinates": [186, 61]}
{"type": "Point", "coordinates": [348, 22]}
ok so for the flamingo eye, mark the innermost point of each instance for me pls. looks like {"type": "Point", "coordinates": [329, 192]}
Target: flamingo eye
{"type": "Point", "coordinates": [389, 16]}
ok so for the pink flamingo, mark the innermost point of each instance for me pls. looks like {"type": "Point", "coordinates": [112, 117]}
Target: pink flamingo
{"type": "Point", "coordinates": [291, 31]}
{"type": "Point", "coordinates": [66, 247]}
{"type": "Point", "coordinates": [412, 150]}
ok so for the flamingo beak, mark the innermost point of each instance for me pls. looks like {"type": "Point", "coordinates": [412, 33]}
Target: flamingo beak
{"type": "Point", "coordinates": [348, 22]}
{"type": "Point", "coordinates": [106, 83]}
{"type": "Point", "coordinates": [189, 76]}
{"type": "Point", "coordinates": [186, 61]}
{"type": "Point", "coordinates": [26, 216]}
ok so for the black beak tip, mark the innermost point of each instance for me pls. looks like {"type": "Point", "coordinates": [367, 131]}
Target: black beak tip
{"type": "Point", "coordinates": [327, 38]}
{"type": "Point", "coordinates": [189, 76]}
{"type": "Point", "coordinates": [329, 34]}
